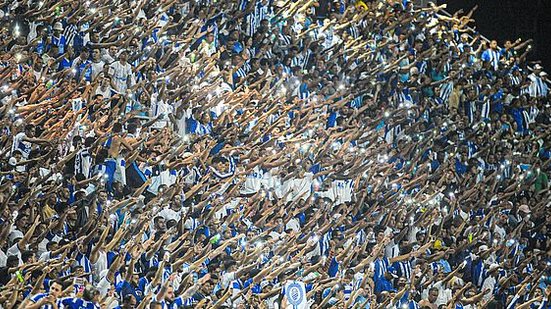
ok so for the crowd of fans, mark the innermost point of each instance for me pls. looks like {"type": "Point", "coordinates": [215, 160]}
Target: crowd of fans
{"type": "Point", "coordinates": [269, 154]}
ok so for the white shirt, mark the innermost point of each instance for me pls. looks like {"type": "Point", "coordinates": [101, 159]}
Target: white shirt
{"type": "Point", "coordinates": [253, 182]}
{"type": "Point", "coordinates": [340, 191]}
{"type": "Point", "coordinates": [15, 251]}
{"type": "Point", "coordinates": [107, 58]}
{"type": "Point", "coordinates": [488, 284]}
{"type": "Point", "coordinates": [106, 93]}
{"type": "Point", "coordinates": [181, 122]}
{"type": "Point", "coordinates": [101, 264]}
{"type": "Point", "coordinates": [97, 67]}
{"type": "Point", "coordinates": [538, 88]}
{"type": "Point", "coordinates": [301, 187]}
{"type": "Point", "coordinates": [122, 75]}
{"type": "Point", "coordinates": [169, 214]}
{"type": "Point", "coordinates": [444, 294]}
{"type": "Point", "coordinates": [227, 278]}
{"type": "Point", "coordinates": [3, 259]}
{"type": "Point", "coordinates": [293, 224]}
{"type": "Point", "coordinates": [19, 143]}
{"type": "Point", "coordinates": [159, 107]}
{"type": "Point", "coordinates": [45, 256]}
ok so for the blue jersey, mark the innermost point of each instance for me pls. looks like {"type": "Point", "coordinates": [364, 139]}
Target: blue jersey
{"type": "Point", "coordinates": [65, 64]}
{"type": "Point", "coordinates": [60, 43]}
{"type": "Point", "coordinates": [381, 267]}
{"type": "Point", "coordinates": [177, 303]}
{"type": "Point", "coordinates": [36, 298]}
{"type": "Point", "coordinates": [83, 70]}
{"type": "Point", "coordinates": [77, 303]}
{"type": "Point", "coordinates": [124, 288]}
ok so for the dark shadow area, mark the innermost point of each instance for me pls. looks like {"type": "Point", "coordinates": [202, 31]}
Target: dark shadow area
{"type": "Point", "coordinates": [512, 19]}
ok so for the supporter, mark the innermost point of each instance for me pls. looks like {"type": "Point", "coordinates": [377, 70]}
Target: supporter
{"type": "Point", "coordinates": [269, 154]}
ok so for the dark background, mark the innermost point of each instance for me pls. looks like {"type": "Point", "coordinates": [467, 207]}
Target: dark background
{"type": "Point", "coordinates": [512, 19]}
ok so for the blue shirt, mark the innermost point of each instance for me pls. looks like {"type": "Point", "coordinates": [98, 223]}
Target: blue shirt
{"type": "Point", "coordinates": [60, 43]}
{"type": "Point", "coordinates": [445, 265]}
{"type": "Point", "coordinates": [333, 267]}
{"type": "Point", "coordinates": [64, 64]}
{"type": "Point", "coordinates": [78, 303]}
{"type": "Point", "coordinates": [124, 288]}
{"type": "Point", "coordinates": [36, 298]}
{"type": "Point", "coordinates": [382, 284]}
{"type": "Point", "coordinates": [381, 267]}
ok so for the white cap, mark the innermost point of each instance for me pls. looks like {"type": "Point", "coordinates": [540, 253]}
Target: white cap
{"type": "Point", "coordinates": [58, 26]}
{"type": "Point", "coordinates": [15, 235]}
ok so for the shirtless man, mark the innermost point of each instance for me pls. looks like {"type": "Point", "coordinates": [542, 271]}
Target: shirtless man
{"type": "Point", "coordinates": [115, 164]}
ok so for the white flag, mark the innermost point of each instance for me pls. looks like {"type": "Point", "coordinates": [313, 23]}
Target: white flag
{"type": "Point", "coordinates": [295, 295]}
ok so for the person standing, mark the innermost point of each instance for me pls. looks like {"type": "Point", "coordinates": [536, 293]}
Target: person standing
{"type": "Point", "coordinates": [121, 73]}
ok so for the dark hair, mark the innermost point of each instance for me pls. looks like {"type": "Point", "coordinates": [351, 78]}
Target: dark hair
{"type": "Point", "coordinates": [127, 298]}
{"type": "Point", "coordinates": [132, 127]}
{"type": "Point", "coordinates": [89, 141]}
{"type": "Point", "coordinates": [50, 243]}
{"type": "Point", "coordinates": [89, 293]}
{"type": "Point", "coordinates": [12, 261]}
{"type": "Point", "coordinates": [117, 127]}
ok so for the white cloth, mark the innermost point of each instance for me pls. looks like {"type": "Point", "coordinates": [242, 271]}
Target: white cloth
{"type": "Point", "coordinates": [294, 293]}
{"type": "Point", "coordinates": [160, 107]}
{"type": "Point", "coordinates": [293, 224]}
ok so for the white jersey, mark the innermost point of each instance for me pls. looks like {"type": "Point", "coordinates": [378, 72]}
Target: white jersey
{"type": "Point", "coordinates": [101, 264]}
{"type": "Point", "coordinates": [15, 251]}
{"type": "Point", "coordinates": [227, 209]}
{"type": "Point", "coordinates": [253, 182]}
{"type": "Point", "coordinates": [341, 191]}
{"type": "Point", "coordinates": [77, 104]}
{"type": "Point", "coordinates": [286, 186]}
{"type": "Point", "coordinates": [21, 145]}
{"type": "Point", "coordinates": [181, 122]}
{"type": "Point", "coordinates": [278, 186]}
{"type": "Point", "coordinates": [170, 214]}
{"type": "Point", "coordinates": [105, 92]}
{"type": "Point", "coordinates": [538, 88]}
{"type": "Point", "coordinates": [268, 181]}
{"type": "Point", "coordinates": [3, 259]}
{"type": "Point", "coordinates": [97, 67]}
{"type": "Point", "coordinates": [302, 187]}
{"type": "Point", "coordinates": [159, 107]}
{"type": "Point", "coordinates": [122, 75]}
